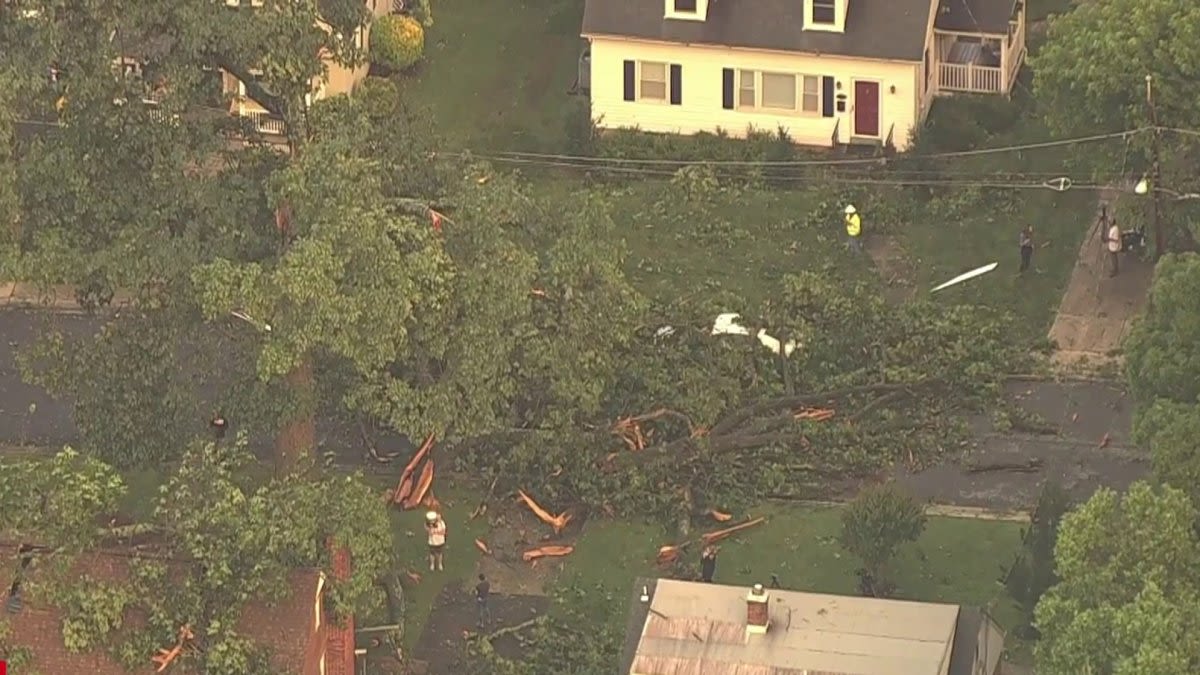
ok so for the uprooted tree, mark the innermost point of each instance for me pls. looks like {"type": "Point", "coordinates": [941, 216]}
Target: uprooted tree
{"type": "Point", "coordinates": [217, 539]}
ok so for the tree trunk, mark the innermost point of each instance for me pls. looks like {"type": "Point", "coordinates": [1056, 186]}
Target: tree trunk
{"type": "Point", "coordinates": [298, 435]}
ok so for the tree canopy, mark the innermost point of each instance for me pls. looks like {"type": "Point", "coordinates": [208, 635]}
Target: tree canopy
{"type": "Point", "coordinates": [1128, 599]}
{"type": "Point", "coordinates": [218, 537]}
{"type": "Point", "coordinates": [1163, 366]}
{"type": "Point", "coordinates": [1091, 72]}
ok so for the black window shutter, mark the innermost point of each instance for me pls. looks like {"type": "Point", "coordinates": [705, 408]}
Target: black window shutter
{"type": "Point", "coordinates": [826, 96]}
{"type": "Point", "coordinates": [727, 88]}
{"type": "Point", "coordinates": [630, 81]}
{"type": "Point", "coordinates": [676, 84]}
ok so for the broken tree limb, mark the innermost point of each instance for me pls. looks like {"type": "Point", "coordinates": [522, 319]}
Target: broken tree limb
{"type": "Point", "coordinates": [1029, 466]}
{"type": "Point", "coordinates": [718, 535]}
{"type": "Point", "coordinates": [739, 417]}
{"type": "Point", "coordinates": [509, 630]}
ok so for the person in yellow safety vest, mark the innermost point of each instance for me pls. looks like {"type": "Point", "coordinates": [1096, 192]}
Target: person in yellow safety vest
{"type": "Point", "coordinates": [853, 229]}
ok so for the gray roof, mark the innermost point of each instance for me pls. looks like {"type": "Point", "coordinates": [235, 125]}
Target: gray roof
{"type": "Point", "coordinates": [976, 16]}
{"type": "Point", "coordinates": [697, 627]}
{"type": "Point", "coordinates": [875, 29]}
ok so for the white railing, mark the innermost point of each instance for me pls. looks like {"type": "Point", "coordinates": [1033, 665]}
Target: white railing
{"type": "Point", "coordinates": [265, 123]}
{"type": "Point", "coordinates": [971, 78]}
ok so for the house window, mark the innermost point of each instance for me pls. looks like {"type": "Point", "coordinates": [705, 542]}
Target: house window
{"type": "Point", "coordinates": [824, 11]}
{"type": "Point", "coordinates": [779, 91]}
{"type": "Point", "coordinates": [746, 88]}
{"type": "Point", "coordinates": [652, 82]}
{"type": "Point", "coordinates": [685, 6]}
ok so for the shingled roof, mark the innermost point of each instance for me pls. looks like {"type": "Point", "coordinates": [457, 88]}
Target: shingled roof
{"type": "Point", "coordinates": [892, 30]}
{"type": "Point", "coordinates": [976, 16]}
{"type": "Point", "coordinates": [286, 628]}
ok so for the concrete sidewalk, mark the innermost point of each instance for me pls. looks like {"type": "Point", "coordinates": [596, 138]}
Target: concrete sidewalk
{"type": "Point", "coordinates": [56, 298]}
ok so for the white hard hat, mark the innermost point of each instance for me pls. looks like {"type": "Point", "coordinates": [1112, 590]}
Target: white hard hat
{"type": "Point", "coordinates": [850, 209]}
{"type": "Point", "coordinates": [431, 516]}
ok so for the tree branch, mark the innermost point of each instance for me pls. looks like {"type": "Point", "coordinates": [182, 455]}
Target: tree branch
{"type": "Point", "coordinates": [738, 417]}
{"type": "Point", "coordinates": [276, 105]}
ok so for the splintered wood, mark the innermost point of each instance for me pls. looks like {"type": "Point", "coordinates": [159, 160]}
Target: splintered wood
{"type": "Point", "coordinates": [557, 522]}
{"type": "Point", "coordinates": [546, 552]}
{"type": "Point", "coordinates": [413, 490]}
{"type": "Point", "coordinates": [718, 535]}
{"type": "Point", "coordinates": [165, 657]}
{"type": "Point", "coordinates": [669, 555]}
{"type": "Point", "coordinates": [814, 414]}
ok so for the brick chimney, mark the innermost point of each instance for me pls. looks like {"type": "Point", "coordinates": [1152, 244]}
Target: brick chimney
{"type": "Point", "coordinates": [757, 614]}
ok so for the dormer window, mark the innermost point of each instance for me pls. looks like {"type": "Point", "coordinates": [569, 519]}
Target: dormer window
{"type": "Point", "coordinates": [824, 11]}
{"type": "Point", "coordinates": [685, 6]}
{"type": "Point", "coordinates": [683, 10]}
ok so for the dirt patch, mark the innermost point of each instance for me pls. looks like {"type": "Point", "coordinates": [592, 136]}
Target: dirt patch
{"type": "Point", "coordinates": [453, 622]}
{"type": "Point", "coordinates": [513, 531]}
{"type": "Point", "coordinates": [894, 267]}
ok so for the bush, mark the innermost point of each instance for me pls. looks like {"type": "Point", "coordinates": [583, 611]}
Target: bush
{"type": "Point", "coordinates": [874, 526]}
{"type": "Point", "coordinates": [397, 42]}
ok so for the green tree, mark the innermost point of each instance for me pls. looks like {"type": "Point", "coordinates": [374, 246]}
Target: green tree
{"type": "Point", "coordinates": [1090, 74]}
{"type": "Point", "coordinates": [223, 536]}
{"type": "Point", "coordinates": [397, 42]}
{"type": "Point", "coordinates": [874, 525]}
{"type": "Point", "coordinates": [1128, 602]}
{"type": "Point", "coordinates": [1163, 367]}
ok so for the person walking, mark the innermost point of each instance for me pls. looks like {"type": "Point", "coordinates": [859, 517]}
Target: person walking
{"type": "Point", "coordinates": [483, 590]}
{"type": "Point", "coordinates": [853, 229]}
{"type": "Point", "coordinates": [708, 564]}
{"type": "Point", "coordinates": [435, 527]}
{"type": "Point", "coordinates": [1026, 241]}
{"type": "Point", "coordinates": [1112, 241]}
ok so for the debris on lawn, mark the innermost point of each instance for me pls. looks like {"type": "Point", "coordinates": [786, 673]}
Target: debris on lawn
{"type": "Point", "coordinates": [667, 555]}
{"type": "Point", "coordinates": [557, 522]}
{"type": "Point", "coordinates": [421, 490]}
{"type": "Point", "coordinates": [718, 535]}
{"type": "Point", "coordinates": [814, 414]}
{"type": "Point", "coordinates": [164, 657]}
{"type": "Point", "coordinates": [1104, 441]}
{"type": "Point", "coordinates": [404, 488]}
{"type": "Point", "coordinates": [483, 548]}
{"type": "Point", "coordinates": [546, 552]}
{"type": "Point", "coordinates": [414, 577]}
{"type": "Point", "coordinates": [719, 516]}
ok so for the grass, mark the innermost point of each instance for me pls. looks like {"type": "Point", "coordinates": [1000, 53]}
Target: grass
{"type": "Point", "coordinates": [955, 560]}
{"type": "Point", "coordinates": [497, 73]}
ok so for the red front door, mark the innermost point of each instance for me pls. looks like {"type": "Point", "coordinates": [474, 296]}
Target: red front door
{"type": "Point", "coordinates": [866, 108]}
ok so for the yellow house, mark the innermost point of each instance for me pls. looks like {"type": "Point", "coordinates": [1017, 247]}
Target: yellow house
{"type": "Point", "coordinates": [828, 72]}
{"type": "Point", "coordinates": [338, 79]}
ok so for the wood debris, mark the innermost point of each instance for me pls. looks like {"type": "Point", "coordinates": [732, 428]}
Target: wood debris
{"type": "Point", "coordinates": [557, 522]}
{"type": "Point", "coordinates": [718, 535]}
{"type": "Point", "coordinates": [483, 548]}
{"type": "Point", "coordinates": [1104, 441]}
{"type": "Point", "coordinates": [421, 489]}
{"type": "Point", "coordinates": [667, 555]}
{"type": "Point", "coordinates": [165, 657]}
{"type": "Point", "coordinates": [719, 516]}
{"type": "Point", "coordinates": [814, 414]}
{"type": "Point", "coordinates": [404, 487]}
{"type": "Point", "coordinates": [546, 552]}
{"type": "Point", "coordinates": [412, 576]}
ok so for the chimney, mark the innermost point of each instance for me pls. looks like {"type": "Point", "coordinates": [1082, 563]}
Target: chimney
{"type": "Point", "coordinates": [757, 614]}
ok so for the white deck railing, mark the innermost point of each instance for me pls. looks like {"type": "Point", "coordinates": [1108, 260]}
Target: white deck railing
{"type": "Point", "coordinates": [970, 78]}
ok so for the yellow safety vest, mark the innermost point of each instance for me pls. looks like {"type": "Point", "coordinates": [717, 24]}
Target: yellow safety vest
{"type": "Point", "coordinates": [853, 225]}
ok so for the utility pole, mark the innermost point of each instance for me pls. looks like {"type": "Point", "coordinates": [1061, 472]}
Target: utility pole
{"type": "Point", "coordinates": [1156, 171]}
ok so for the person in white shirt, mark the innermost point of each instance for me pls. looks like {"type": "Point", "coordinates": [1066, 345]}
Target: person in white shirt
{"type": "Point", "coordinates": [1113, 242]}
{"type": "Point", "coordinates": [435, 527]}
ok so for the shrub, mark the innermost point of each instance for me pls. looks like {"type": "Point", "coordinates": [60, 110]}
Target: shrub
{"type": "Point", "coordinates": [874, 526]}
{"type": "Point", "coordinates": [397, 42]}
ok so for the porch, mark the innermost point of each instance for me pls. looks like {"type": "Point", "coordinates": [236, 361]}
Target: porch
{"type": "Point", "coordinates": [979, 46]}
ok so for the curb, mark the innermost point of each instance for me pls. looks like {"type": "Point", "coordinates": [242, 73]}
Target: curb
{"type": "Point", "coordinates": [941, 511]}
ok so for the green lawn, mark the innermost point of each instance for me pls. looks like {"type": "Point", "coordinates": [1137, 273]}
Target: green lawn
{"type": "Point", "coordinates": [955, 560]}
{"type": "Point", "coordinates": [496, 73]}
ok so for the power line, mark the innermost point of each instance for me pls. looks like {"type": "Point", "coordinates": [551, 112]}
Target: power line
{"type": "Point", "coordinates": [822, 162]}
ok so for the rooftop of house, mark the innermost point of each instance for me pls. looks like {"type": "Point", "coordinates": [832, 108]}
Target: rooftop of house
{"type": "Point", "coordinates": [892, 30]}
{"type": "Point", "coordinates": [690, 627]}
{"type": "Point", "coordinates": [285, 627]}
{"type": "Point", "coordinates": [976, 16]}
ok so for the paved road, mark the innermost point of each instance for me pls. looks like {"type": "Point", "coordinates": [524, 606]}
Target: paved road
{"type": "Point", "coordinates": [50, 423]}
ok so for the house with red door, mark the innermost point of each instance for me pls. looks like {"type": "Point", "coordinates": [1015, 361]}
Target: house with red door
{"type": "Point", "coordinates": [297, 631]}
{"type": "Point", "coordinates": [828, 72]}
